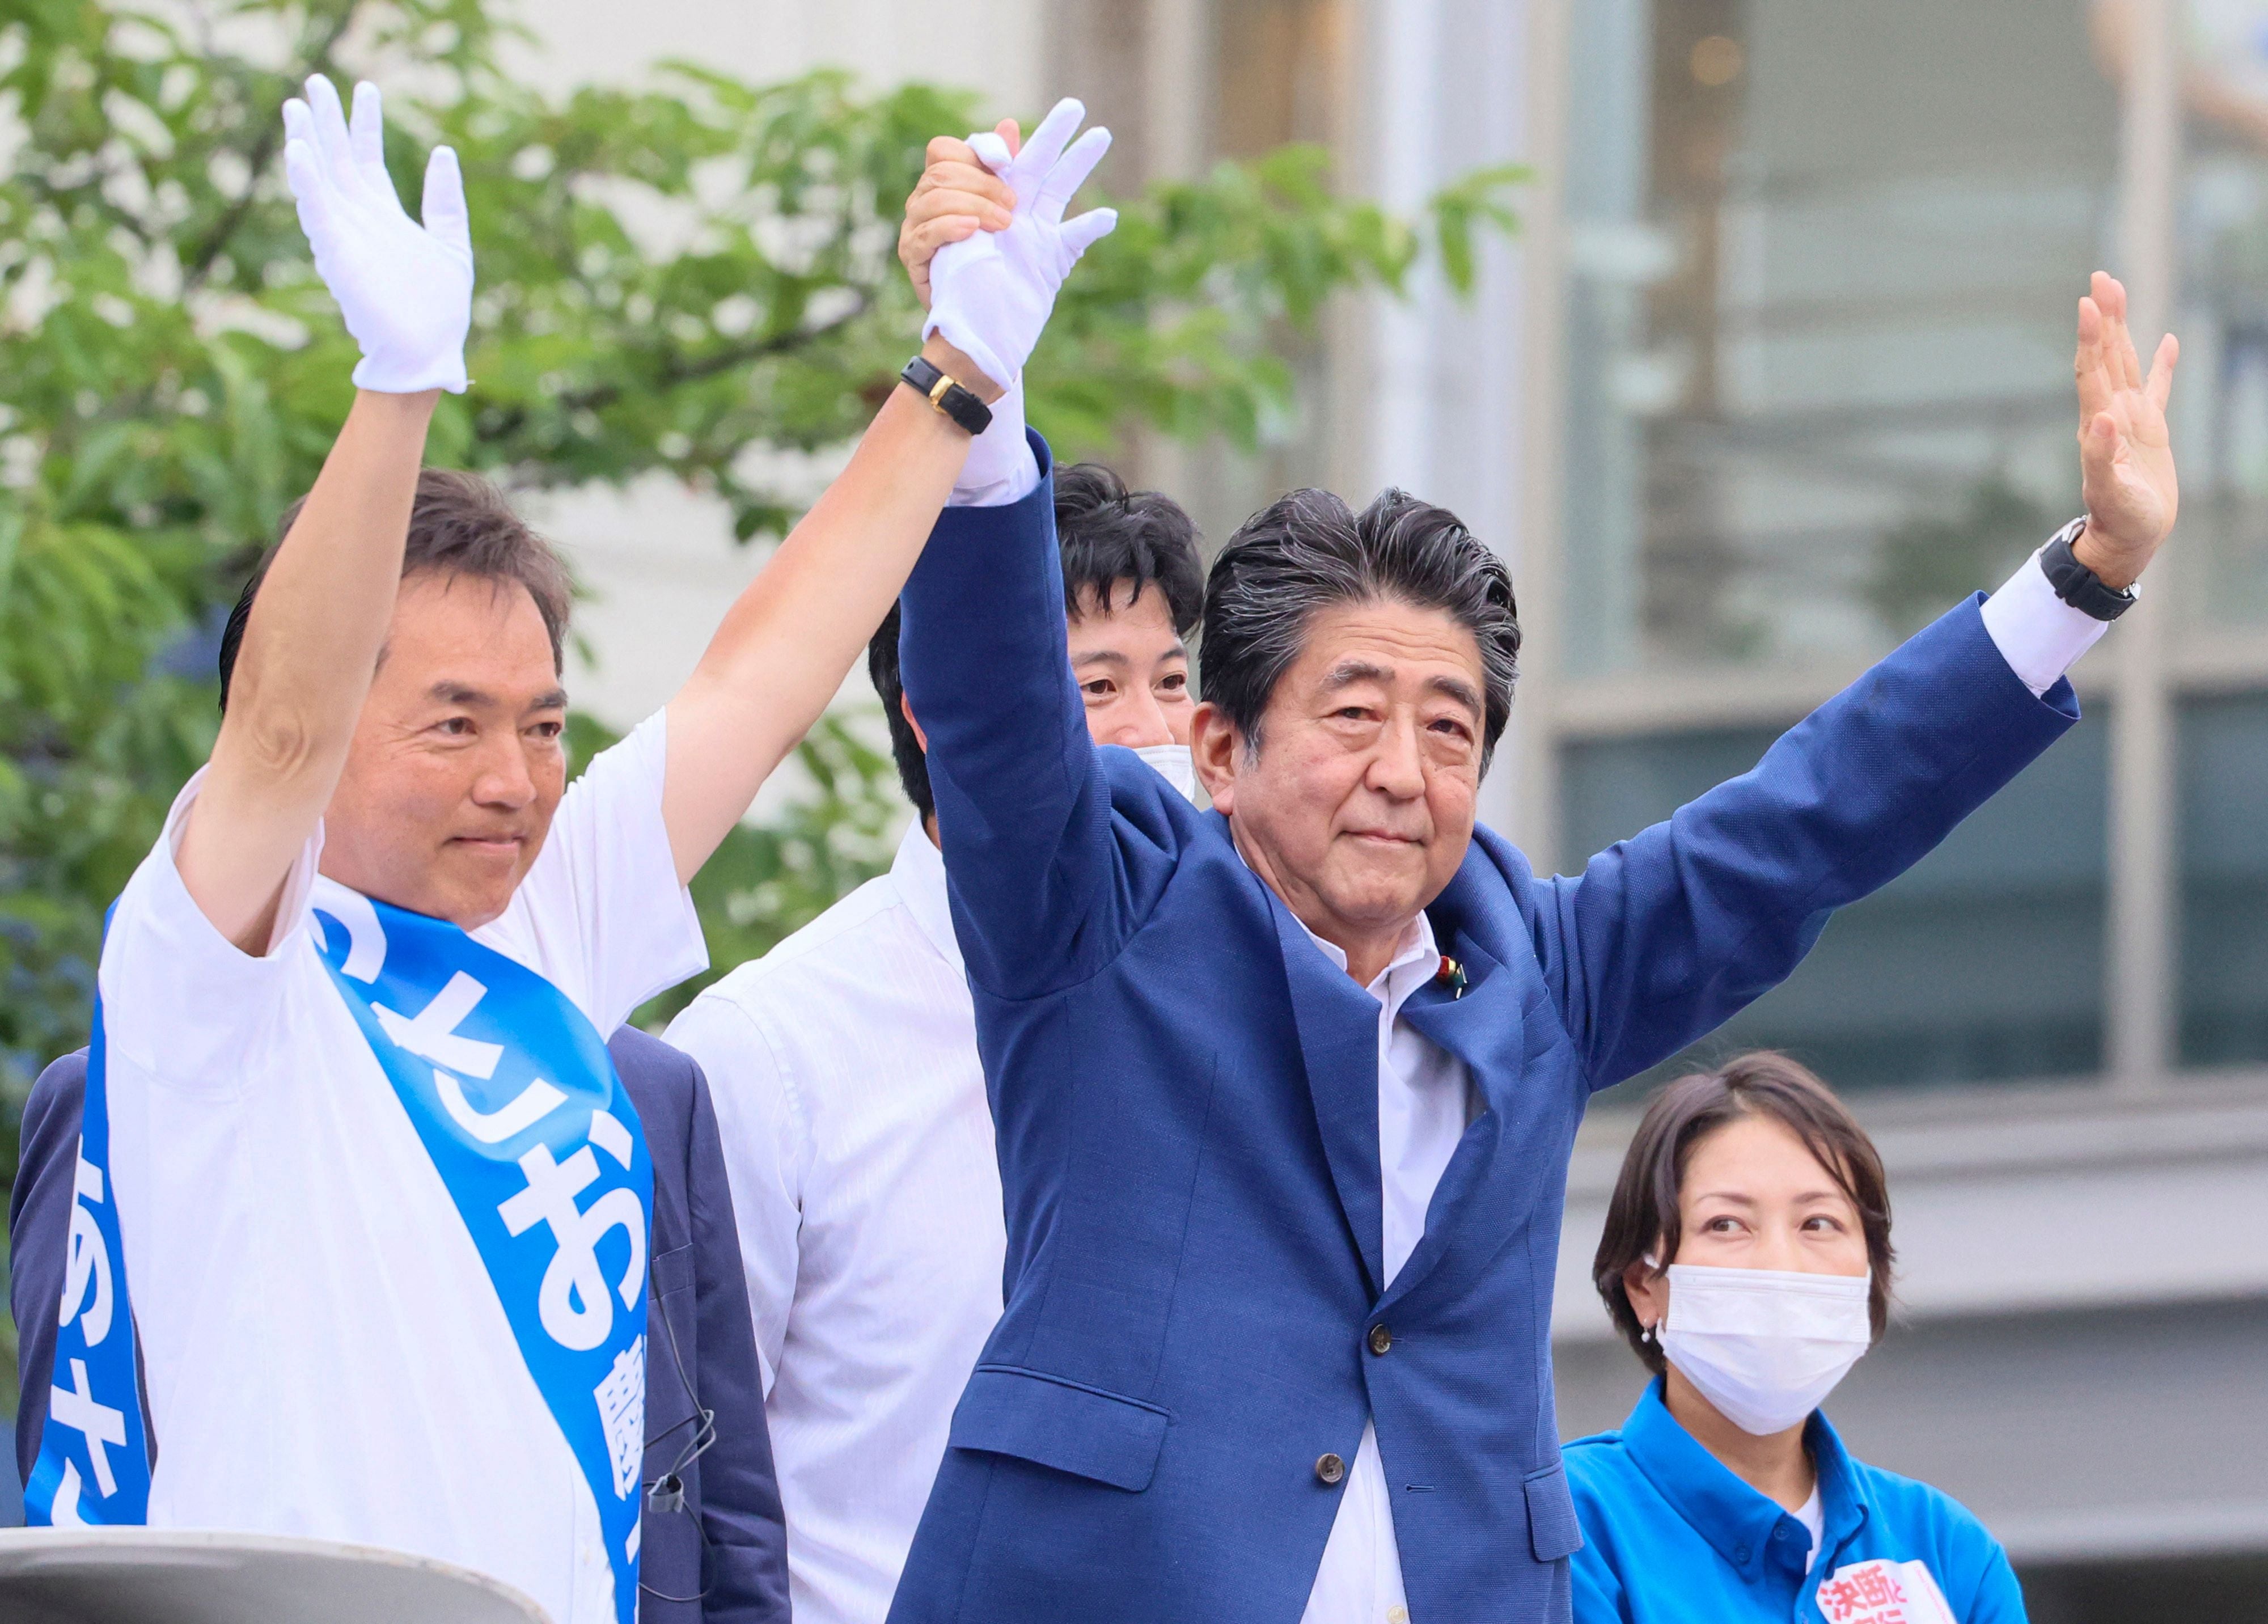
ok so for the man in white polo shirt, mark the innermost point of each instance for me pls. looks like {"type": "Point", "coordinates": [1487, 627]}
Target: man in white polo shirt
{"type": "Point", "coordinates": [851, 1100]}
{"type": "Point", "coordinates": [351, 1133]}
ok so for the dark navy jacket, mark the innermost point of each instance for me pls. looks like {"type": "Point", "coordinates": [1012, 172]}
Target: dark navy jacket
{"type": "Point", "coordinates": [1185, 1092]}
{"type": "Point", "coordinates": [700, 1300]}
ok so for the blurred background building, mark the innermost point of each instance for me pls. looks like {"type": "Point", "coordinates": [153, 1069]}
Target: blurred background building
{"type": "Point", "coordinates": [1778, 370]}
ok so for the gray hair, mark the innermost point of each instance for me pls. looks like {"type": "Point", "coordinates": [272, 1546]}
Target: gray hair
{"type": "Point", "coordinates": [1308, 551]}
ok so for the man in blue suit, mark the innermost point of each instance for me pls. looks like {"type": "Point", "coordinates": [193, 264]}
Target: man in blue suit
{"type": "Point", "coordinates": [1285, 1092]}
{"type": "Point", "coordinates": [722, 1558]}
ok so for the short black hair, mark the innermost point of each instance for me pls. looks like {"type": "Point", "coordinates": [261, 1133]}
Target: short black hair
{"type": "Point", "coordinates": [1642, 1216]}
{"type": "Point", "coordinates": [890, 687]}
{"type": "Point", "coordinates": [1308, 551]}
{"type": "Point", "coordinates": [1109, 535]}
{"type": "Point", "coordinates": [460, 524]}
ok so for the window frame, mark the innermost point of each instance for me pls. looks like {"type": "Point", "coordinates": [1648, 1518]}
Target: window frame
{"type": "Point", "coordinates": [2149, 665]}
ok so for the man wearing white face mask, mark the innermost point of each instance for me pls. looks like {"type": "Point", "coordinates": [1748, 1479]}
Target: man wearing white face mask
{"type": "Point", "coordinates": [1747, 1259]}
{"type": "Point", "coordinates": [857, 1138]}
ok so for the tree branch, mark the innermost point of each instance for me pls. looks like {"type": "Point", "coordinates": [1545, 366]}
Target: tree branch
{"type": "Point", "coordinates": [209, 251]}
{"type": "Point", "coordinates": [678, 371]}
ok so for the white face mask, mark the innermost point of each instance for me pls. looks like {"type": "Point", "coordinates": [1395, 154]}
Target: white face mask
{"type": "Point", "coordinates": [1179, 768]}
{"type": "Point", "coordinates": [1764, 1346]}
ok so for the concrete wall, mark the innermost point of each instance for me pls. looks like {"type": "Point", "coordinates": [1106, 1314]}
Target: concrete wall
{"type": "Point", "coordinates": [660, 562]}
{"type": "Point", "coordinates": [988, 45]}
{"type": "Point", "coordinates": [1430, 393]}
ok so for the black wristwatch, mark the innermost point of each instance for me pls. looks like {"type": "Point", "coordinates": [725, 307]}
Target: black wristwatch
{"type": "Point", "coordinates": [2077, 584]}
{"type": "Point", "coordinates": [946, 395]}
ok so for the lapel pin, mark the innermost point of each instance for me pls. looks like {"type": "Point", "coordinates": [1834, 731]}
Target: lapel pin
{"type": "Point", "coordinates": [1452, 976]}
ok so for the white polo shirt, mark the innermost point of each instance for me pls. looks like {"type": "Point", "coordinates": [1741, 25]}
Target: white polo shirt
{"type": "Point", "coordinates": [858, 1144]}
{"type": "Point", "coordinates": [325, 1353]}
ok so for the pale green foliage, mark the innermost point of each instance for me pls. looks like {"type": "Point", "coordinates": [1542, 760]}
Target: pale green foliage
{"type": "Point", "coordinates": [670, 277]}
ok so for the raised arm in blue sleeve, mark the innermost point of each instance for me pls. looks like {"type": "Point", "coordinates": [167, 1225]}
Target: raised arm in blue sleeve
{"type": "Point", "coordinates": [1042, 889]}
{"type": "Point", "coordinates": [1666, 934]}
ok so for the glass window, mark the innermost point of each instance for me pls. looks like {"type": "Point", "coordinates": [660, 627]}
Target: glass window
{"type": "Point", "coordinates": [2224, 857]}
{"type": "Point", "coordinates": [1982, 964]}
{"type": "Point", "coordinates": [1822, 264]}
{"type": "Point", "coordinates": [2223, 321]}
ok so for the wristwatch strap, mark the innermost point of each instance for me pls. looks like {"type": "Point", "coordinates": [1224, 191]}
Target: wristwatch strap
{"type": "Point", "coordinates": [2077, 584]}
{"type": "Point", "coordinates": [948, 396]}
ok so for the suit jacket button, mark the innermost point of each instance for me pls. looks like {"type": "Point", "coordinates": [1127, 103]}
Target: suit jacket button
{"type": "Point", "coordinates": [1380, 1338]}
{"type": "Point", "coordinates": [1331, 1468]}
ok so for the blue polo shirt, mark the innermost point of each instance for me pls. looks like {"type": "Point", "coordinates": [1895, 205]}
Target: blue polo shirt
{"type": "Point", "coordinates": [1670, 1536]}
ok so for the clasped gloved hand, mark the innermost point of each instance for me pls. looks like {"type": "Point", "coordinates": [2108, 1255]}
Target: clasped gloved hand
{"type": "Point", "coordinates": [991, 294]}
{"type": "Point", "coordinates": [405, 290]}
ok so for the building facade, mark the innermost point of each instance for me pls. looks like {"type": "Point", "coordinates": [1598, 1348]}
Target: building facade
{"type": "Point", "coordinates": [1777, 369]}
{"type": "Point", "coordinates": [1798, 376]}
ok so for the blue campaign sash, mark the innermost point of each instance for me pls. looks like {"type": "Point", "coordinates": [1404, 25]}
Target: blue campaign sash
{"type": "Point", "coordinates": [94, 1454]}
{"type": "Point", "coordinates": [513, 1095]}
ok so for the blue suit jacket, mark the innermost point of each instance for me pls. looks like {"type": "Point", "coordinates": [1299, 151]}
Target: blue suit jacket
{"type": "Point", "coordinates": [1185, 1095]}
{"type": "Point", "coordinates": [700, 1297]}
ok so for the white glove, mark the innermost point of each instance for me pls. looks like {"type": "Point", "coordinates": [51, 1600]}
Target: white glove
{"type": "Point", "coordinates": [406, 291]}
{"type": "Point", "coordinates": [990, 295]}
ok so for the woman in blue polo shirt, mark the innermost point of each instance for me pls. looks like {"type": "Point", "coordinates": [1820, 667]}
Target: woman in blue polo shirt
{"type": "Point", "coordinates": [1747, 1259]}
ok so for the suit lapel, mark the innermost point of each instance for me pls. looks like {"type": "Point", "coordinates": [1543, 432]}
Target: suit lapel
{"type": "Point", "coordinates": [1482, 1028]}
{"type": "Point", "coordinates": [1338, 1040]}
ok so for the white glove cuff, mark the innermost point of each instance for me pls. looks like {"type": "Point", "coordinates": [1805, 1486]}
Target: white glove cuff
{"type": "Point", "coordinates": [1001, 468]}
{"type": "Point", "coordinates": [385, 374]}
{"type": "Point", "coordinates": [957, 334]}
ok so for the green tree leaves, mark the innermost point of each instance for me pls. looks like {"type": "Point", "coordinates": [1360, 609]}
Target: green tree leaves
{"type": "Point", "coordinates": [694, 276]}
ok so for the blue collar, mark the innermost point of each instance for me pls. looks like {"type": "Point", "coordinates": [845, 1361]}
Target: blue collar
{"type": "Point", "coordinates": [1747, 1529]}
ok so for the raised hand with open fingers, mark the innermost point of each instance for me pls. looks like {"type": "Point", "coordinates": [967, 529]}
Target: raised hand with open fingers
{"type": "Point", "coordinates": [2126, 458]}
{"type": "Point", "coordinates": [991, 292]}
{"type": "Point", "coordinates": [405, 290]}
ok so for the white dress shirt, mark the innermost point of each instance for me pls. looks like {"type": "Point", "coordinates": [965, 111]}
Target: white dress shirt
{"type": "Point", "coordinates": [2038, 633]}
{"type": "Point", "coordinates": [1813, 1515]}
{"type": "Point", "coordinates": [1424, 1100]}
{"type": "Point", "coordinates": [858, 1145]}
